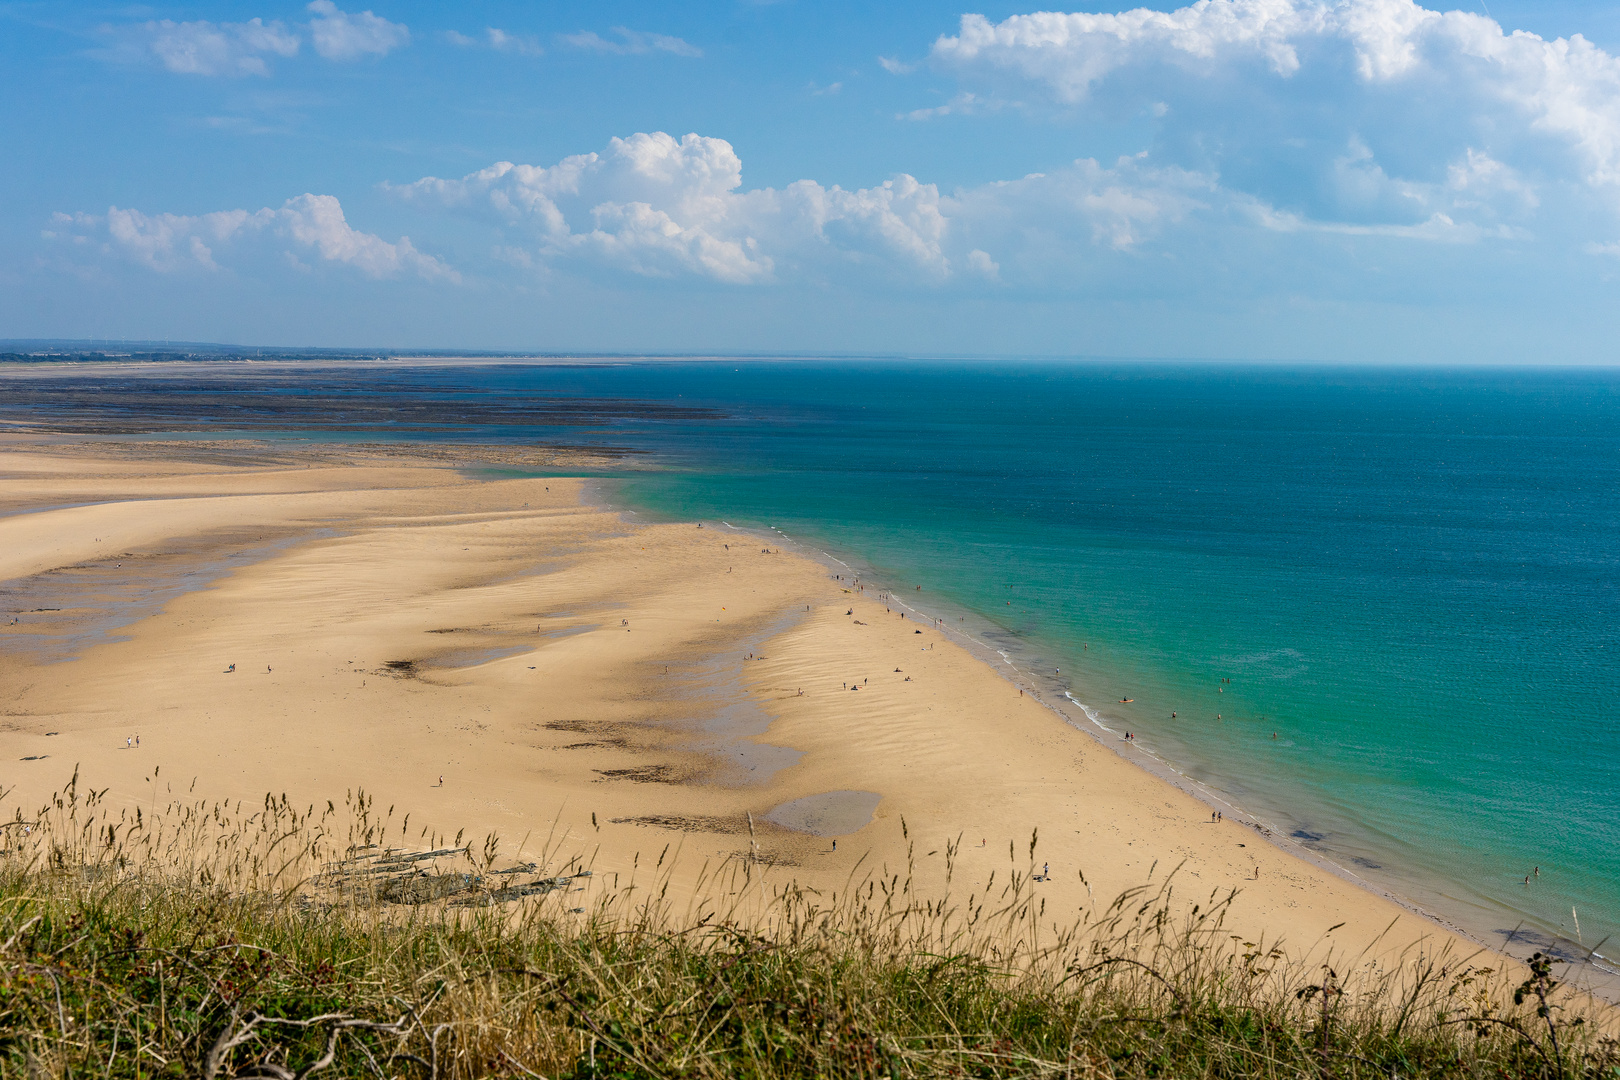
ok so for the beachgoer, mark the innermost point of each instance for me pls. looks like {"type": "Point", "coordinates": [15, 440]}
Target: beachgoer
{"type": "Point", "coordinates": [138, 742]}
{"type": "Point", "coordinates": [1046, 870]}
{"type": "Point", "coordinates": [1220, 815]}
{"type": "Point", "coordinates": [441, 779]}
{"type": "Point", "coordinates": [1257, 873]}
{"type": "Point", "coordinates": [1172, 716]}
{"type": "Point", "coordinates": [835, 845]}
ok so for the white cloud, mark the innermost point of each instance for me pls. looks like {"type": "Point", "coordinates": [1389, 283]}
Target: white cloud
{"type": "Point", "coordinates": [895, 67]}
{"type": "Point", "coordinates": [631, 43]}
{"type": "Point", "coordinates": [961, 103]}
{"type": "Point", "coordinates": [208, 48]}
{"type": "Point", "coordinates": [168, 242]}
{"type": "Point", "coordinates": [656, 206]}
{"type": "Point", "coordinates": [981, 263]}
{"type": "Point", "coordinates": [501, 41]}
{"type": "Point", "coordinates": [1377, 103]}
{"type": "Point", "coordinates": [341, 35]}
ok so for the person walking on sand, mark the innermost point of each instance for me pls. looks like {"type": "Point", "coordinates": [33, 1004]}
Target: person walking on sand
{"type": "Point", "coordinates": [1046, 871]}
{"type": "Point", "coordinates": [835, 843]}
{"type": "Point", "coordinates": [441, 779]}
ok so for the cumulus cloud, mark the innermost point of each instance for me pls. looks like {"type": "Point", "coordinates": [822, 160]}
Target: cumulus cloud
{"type": "Point", "coordinates": [208, 48]}
{"type": "Point", "coordinates": [1362, 113]}
{"type": "Point", "coordinates": [627, 42]}
{"type": "Point", "coordinates": [340, 35]}
{"type": "Point", "coordinates": [658, 206]}
{"type": "Point", "coordinates": [313, 223]}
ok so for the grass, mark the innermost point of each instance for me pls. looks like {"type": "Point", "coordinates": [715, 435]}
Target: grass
{"type": "Point", "coordinates": [211, 940]}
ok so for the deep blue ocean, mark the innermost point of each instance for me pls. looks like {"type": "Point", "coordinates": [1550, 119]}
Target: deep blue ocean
{"type": "Point", "coordinates": [1409, 576]}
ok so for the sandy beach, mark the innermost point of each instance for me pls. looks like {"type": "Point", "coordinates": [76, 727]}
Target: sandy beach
{"type": "Point", "coordinates": [319, 623]}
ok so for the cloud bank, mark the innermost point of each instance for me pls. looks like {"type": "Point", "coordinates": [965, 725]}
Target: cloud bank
{"type": "Point", "coordinates": [1364, 112]}
{"type": "Point", "coordinates": [202, 47]}
{"type": "Point", "coordinates": [311, 224]}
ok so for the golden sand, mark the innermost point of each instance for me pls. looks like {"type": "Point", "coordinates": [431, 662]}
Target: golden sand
{"type": "Point", "coordinates": [577, 679]}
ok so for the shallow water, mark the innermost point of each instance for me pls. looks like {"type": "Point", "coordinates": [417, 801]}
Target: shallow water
{"type": "Point", "coordinates": [56, 616]}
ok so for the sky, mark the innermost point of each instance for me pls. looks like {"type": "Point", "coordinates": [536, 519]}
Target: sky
{"type": "Point", "coordinates": [1362, 181]}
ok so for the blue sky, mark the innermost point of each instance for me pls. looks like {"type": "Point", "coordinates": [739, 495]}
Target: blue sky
{"type": "Point", "coordinates": [1335, 180]}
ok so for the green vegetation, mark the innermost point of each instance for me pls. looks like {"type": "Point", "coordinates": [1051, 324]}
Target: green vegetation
{"type": "Point", "coordinates": [221, 941]}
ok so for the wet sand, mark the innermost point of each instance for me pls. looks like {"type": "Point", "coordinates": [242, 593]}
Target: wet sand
{"type": "Point", "coordinates": [579, 679]}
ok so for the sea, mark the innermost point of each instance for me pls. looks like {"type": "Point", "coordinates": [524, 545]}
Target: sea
{"type": "Point", "coordinates": [1375, 607]}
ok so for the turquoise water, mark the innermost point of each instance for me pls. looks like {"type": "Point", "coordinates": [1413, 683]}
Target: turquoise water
{"type": "Point", "coordinates": [1408, 576]}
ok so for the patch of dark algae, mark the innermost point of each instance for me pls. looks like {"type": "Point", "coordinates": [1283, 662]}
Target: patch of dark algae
{"type": "Point", "coordinates": [396, 401]}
